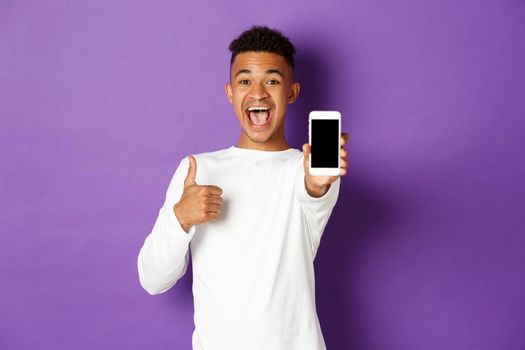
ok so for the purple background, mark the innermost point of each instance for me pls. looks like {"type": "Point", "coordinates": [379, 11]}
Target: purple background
{"type": "Point", "coordinates": [100, 100]}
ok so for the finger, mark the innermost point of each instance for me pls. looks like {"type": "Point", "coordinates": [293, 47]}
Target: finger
{"type": "Point", "coordinates": [211, 215]}
{"type": "Point", "coordinates": [215, 200]}
{"type": "Point", "coordinates": [342, 172]}
{"type": "Point", "coordinates": [192, 172]}
{"type": "Point", "coordinates": [212, 208]}
{"type": "Point", "coordinates": [307, 149]}
{"type": "Point", "coordinates": [306, 154]}
{"type": "Point", "coordinates": [344, 138]}
{"type": "Point", "coordinates": [342, 153]}
{"type": "Point", "coordinates": [213, 190]}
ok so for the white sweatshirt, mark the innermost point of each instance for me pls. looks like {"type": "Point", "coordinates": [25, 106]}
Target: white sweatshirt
{"type": "Point", "coordinates": [253, 272]}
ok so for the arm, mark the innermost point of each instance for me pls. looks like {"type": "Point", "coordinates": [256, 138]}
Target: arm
{"type": "Point", "coordinates": [164, 256]}
{"type": "Point", "coordinates": [316, 203]}
{"type": "Point", "coordinates": [317, 195]}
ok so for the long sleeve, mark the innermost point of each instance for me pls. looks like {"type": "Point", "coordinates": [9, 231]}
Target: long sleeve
{"type": "Point", "coordinates": [164, 256]}
{"type": "Point", "coordinates": [317, 210]}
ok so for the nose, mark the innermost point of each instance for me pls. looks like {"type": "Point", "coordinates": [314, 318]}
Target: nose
{"type": "Point", "coordinates": [258, 91]}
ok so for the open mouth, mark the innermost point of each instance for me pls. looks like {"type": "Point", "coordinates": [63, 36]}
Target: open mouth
{"type": "Point", "coordinates": [258, 116]}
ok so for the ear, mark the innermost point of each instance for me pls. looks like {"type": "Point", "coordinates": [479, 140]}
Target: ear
{"type": "Point", "coordinates": [229, 92]}
{"type": "Point", "coordinates": [294, 92]}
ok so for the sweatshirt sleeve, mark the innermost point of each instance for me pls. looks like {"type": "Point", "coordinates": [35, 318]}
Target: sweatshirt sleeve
{"type": "Point", "coordinates": [317, 210]}
{"type": "Point", "coordinates": [164, 256]}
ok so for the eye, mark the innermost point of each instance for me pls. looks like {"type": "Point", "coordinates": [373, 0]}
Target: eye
{"type": "Point", "coordinates": [243, 82]}
{"type": "Point", "coordinates": [273, 82]}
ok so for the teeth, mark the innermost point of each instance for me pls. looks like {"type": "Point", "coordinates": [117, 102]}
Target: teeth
{"type": "Point", "coordinates": [258, 109]}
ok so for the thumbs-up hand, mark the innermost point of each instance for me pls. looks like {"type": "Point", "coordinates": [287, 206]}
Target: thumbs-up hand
{"type": "Point", "coordinates": [198, 203]}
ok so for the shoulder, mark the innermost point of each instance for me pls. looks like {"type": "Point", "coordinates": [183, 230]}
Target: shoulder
{"type": "Point", "coordinates": [212, 154]}
{"type": "Point", "coordinates": [204, 157]}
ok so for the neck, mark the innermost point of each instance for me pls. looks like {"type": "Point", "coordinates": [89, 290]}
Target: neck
{"type": "Point", "coordinates": [280, 145]}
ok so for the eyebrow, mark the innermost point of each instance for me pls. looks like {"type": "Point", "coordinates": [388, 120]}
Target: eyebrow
{"type": "Point", "coordinates": [269, 71]}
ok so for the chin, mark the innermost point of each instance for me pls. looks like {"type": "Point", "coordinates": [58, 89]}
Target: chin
{"type": "Point", "coordinates": [257, 137]}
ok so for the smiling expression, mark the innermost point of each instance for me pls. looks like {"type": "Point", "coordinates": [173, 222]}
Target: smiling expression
{"type": "Point", "coordinates": [264, 80]}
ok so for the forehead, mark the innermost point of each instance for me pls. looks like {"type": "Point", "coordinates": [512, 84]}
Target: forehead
{"type": "Point", "coordinates": [259, 61]}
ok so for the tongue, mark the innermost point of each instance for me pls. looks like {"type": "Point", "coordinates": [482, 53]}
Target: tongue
{"type": "Point", "coordinates": [259, 118]}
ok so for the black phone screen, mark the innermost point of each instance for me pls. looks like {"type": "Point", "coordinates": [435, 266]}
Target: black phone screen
{"type": "Point", "coordinates": [325, 143]}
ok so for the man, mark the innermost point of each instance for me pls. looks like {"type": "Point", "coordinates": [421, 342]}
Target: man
{"type": "Point", "coordinates": [251, 214]}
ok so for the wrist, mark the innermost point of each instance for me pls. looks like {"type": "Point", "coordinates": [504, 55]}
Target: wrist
{"type": "Point", "coordinates": [184, 225]}
{"type": "Point", "coordinates": [315, 191]}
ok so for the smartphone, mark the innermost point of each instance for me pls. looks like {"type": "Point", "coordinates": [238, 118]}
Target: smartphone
{"type": "Point", "coordinates": [324, 132]}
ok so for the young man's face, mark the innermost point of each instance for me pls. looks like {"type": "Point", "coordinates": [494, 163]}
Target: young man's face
{"type": "Point", "coordinates": [261, 79]}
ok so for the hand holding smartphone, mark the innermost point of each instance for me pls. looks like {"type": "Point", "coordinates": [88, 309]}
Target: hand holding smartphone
{"type": "Point", "coordinates": [324, 132]}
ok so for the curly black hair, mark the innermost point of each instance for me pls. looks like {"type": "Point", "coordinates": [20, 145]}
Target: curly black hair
{"type": "Point", "coordinates": [262, 38]}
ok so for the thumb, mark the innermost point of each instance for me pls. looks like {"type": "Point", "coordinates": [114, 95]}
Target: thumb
{"type": "Point", "coordinates": [306, 152]}
{"type": "Point", "coordinates": [192, 171]}
{"type": "Point", "coordinates": [306, 149]}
